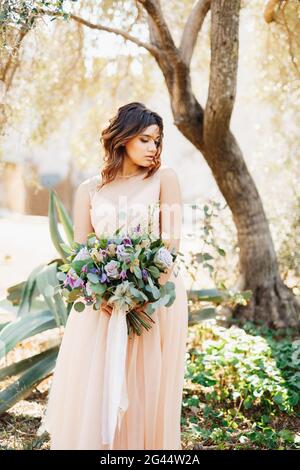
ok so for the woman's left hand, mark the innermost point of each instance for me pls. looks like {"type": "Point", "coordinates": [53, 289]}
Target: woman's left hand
{"type": "Point", "coordinates": [163, 278]}
{"type": "Point", "coordinates": [141, 308]}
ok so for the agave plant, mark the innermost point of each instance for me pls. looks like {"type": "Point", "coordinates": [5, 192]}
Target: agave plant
{"type": "Point", "coordinates": [40, 307]}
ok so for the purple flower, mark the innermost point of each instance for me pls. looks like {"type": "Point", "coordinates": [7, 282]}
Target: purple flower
{"type": "Point", "coordinates": [94, 270]}
{"type": "Point", "coordinates": [123, 275]}
{"type": "Point", "coordinates": [67, 281]}
{"type": "Point", "coordinates": [120, 249]}
{"type": "Point", "coordinates": [78, 283]}
{"type": "Point", "coordinates": [138, 228]}
{"type": "Point", "coordinates": [103, 278]}
{"type": "Point", "coordinates": [122, 255]}
{"type": "Point", "coordinates": [72, 279]}
{"type": "Point", "coordinates": [72, 282]}
{"type": "Point", "coordinates": [145, 274]}
{"type": "Point", "coordinates": [82, 254]}
{"type": "Point", "coordinates": [127, 241]}
{"type": "Point", "coordinates": [84, 269]}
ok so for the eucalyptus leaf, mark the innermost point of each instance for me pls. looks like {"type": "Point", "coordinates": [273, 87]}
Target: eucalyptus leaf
{"type": "Point", "coordinates": [77, 265]}
{"type": "Point", "coordinates": [79, 306]}
{"type": "Point", "coordinates": [137, 272]}
{"type": "Point", "coordinates": [93, 278]}
{"type": "Point", "coordinates": [61, 276]}
{"type": "Point", "coordinates": [98, 288]}
{"type": "Point", "coordinates": [154, 271]}
{"type": "Point", "coordinates": [155, 292]}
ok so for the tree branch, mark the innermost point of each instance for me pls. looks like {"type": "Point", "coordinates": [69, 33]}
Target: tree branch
{"type": "Point", "coordinates": [154, 10]}
{"type": "Point", "coordinates": [152, 49]}
{"type": "Point", "coordinates": [8, 69]}
{"type": "Point", "coordinates": [270, 10]}
{"type": "Point", "coordinates": [191, 30]}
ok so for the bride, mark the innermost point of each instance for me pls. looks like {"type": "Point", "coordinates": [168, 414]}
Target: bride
{"type": "Point", "coordinates": [132, 188]}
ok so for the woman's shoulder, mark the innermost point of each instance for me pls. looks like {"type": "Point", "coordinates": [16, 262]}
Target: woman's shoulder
{"type": "Point", "coordinates": [89, 184]}
{"type": "Point", "coordinates": [167, 173]}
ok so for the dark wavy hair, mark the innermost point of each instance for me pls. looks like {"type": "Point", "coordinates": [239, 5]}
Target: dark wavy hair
{"type": "Point", "coordinates": [130, 120]}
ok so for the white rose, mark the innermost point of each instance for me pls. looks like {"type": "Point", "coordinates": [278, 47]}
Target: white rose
{"type": "Point", "coordinates": [82, 254]}
{"type": "Point", "coordinates": [163, 258]}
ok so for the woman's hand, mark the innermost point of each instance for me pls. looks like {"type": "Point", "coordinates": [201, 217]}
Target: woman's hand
{"type": "Point", "coordinates": [141, 308]}
{"type": "Point", "coordinates": [106, 308]}
{"type": "Point", "coordinates": [163, 278]}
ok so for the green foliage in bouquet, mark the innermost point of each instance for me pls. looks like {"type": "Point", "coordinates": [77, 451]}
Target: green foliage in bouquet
{"type": "Point", "coordinates": [124, 270]}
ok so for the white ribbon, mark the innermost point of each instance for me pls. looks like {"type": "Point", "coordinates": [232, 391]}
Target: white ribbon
{"type": "Point", "coordinates": [115, 398]}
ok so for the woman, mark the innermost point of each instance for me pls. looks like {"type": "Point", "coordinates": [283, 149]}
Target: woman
{"type": "Point", "coordinates": [133, 189]}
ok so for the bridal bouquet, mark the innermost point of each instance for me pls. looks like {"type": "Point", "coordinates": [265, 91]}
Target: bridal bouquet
{"type": "Point", "coordinates": [123, 270]}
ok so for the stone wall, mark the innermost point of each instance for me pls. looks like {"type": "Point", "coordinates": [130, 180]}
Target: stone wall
{"type": "Point", "coordinates": [22, 192]}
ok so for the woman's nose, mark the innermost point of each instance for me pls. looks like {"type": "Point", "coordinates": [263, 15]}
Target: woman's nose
{"type": "Point", "coordinates": [152, 147]}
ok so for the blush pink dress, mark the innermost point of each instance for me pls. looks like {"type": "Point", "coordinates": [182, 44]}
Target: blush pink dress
{"type": "Point", "coordinates": [155, 361]}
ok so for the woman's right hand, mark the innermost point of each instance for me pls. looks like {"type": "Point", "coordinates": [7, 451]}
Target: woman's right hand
{"type": "Point", "coordinates": [106, 308]}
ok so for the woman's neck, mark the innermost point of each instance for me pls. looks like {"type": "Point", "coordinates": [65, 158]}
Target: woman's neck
{"type": "Point", "coordinates": [129, 169]}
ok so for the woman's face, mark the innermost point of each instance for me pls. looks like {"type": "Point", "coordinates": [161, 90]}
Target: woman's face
{"type": "Point", "coordinates": [142, 149]}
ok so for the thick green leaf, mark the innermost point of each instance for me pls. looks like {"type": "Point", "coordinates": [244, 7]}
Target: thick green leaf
{"type": "Point", "coordinates": [18, 367]}
{"type": "Point", "coordinates": [24, 327]}
{"type": "Point", "coordinates": [64, 218]}
{"type": "Point", "coordinates": [30, 379]}
{"type": "Point", "coordinates": [2, 325]}
{"type": "Point", "coordinates": [29, 291]}
{"type": "Point", "coordinates": [49, 287]}
{"type": "Point", "coordinates": [53, 226]}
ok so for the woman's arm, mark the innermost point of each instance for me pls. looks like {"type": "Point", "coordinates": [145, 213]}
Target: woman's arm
{"type": "Point", "coordinates": [170, 214]}
{"type": "Point", "coordinates": [81, 213]}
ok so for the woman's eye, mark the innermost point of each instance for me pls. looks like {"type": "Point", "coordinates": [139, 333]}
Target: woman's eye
{"type": "Point", "coordinates": [157, 142]}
